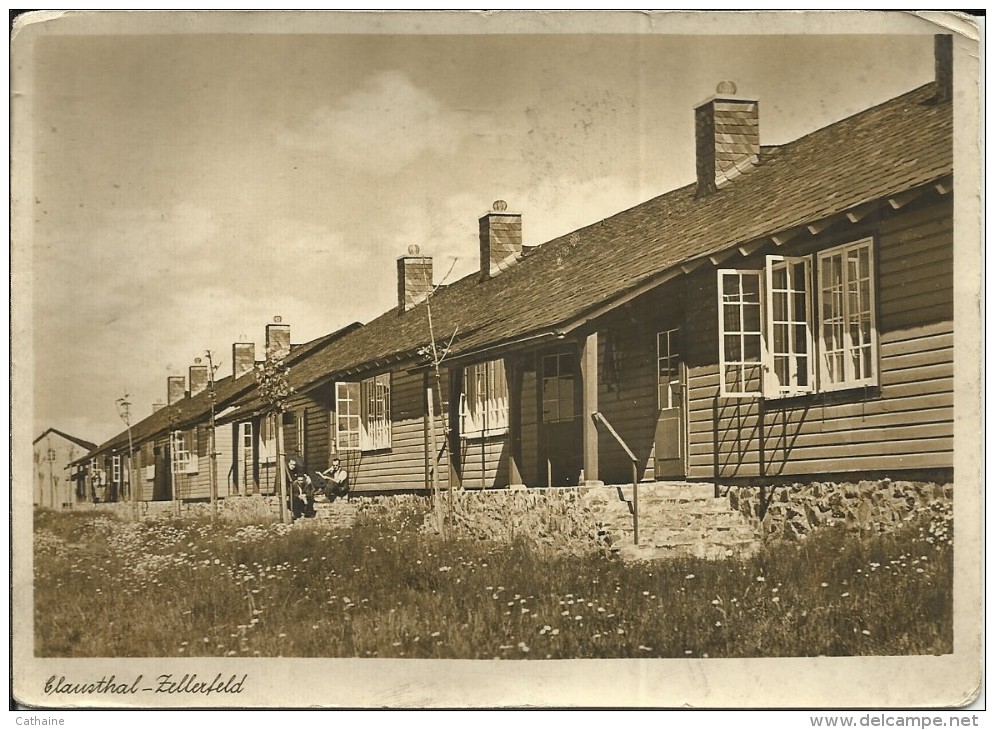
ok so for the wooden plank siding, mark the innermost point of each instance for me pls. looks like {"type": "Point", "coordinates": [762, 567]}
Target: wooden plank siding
{"type": "Point", "coordinates": [906, 422]}
{"type": "Point", "coordinates": [402, 466]}
{"type": "Point", "coordinates": [484, 461]}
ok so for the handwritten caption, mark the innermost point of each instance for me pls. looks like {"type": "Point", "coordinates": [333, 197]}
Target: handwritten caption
{"type": "Point", "coordinates": [187, 684]}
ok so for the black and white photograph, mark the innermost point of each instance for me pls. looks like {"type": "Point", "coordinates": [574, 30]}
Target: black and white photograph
{"type": "Point", "coordinates": [496, 359]}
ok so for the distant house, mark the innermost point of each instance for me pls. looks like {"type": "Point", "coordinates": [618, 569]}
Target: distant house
{"type": "Point", "coordinates": [172, 446]}
{"type": "Point", "coordinates": [58, 486]}
{"type": "Point", "coordinates": [789, 315]}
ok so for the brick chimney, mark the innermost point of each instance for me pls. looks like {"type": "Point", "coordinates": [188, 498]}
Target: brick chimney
{"type": "Point", "coordinates": [277, 339]}
{"type": "Point", "coordinates": [943, 56]}
{"type": "Point", "coordinates": [176, 388]}
{"type": "Point", "coordinates": [500, 239]}
{"type": "Point", "coordinates": [727, 138]}
{"type": "Point", "coordinates": [243, 358]}
{"type": "Point", "coordinates": [158, 406]}
{"type": "Point", "coordinates": [414, 279]}
{"type": "Point", "coordinates": [198, 378]}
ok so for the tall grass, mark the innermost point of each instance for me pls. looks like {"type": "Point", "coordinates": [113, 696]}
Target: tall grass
{"type": "Point", "coordinates": [383, 589]}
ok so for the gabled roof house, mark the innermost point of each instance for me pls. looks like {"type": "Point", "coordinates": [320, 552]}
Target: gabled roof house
{"type": "Point", "coordinates": [786, 316]}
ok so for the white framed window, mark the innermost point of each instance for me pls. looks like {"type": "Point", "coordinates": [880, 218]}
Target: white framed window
{"type": "Point", "coordinates": [267, 439]}
{"type": "Point", "coordinates": [775, 342]}
{"type": "Point", "coordinates": [848, 334]}
{"type": "Point", "coordinates": [741, 338]}
{"type": "Point", "coordinates": [362, 414]}
{"type": "Point", "coordinates": [484, 400]}
{"type": "Point", "coordinates": [789, 366]}
{"type": "Point", "coordinates": [184, 460]}
{"type": "Point", "coordinates": [375, 399]}
{"type": "Point", "coordinates": [558, 374]}
{"type": "Point", "coordinates": [301, 432]}
{"type": "Point", "coordinates": [347, 417]}
{"type": "Point", "coordinates": [149, 472]}
{"type": "Point", "coordinates": [116, 469]}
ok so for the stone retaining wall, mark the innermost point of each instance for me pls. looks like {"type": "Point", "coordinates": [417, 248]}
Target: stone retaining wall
{"type": "Point", "coordinates": [796, 509]}
{"type": "Point", "coordinates": [243, 510]}
{"type": "Point", "coordinates": [575, 519]}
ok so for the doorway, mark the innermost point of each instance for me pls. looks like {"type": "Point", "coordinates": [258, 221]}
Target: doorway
{"type": "Point", "coordinates": [560, 450]}
{"type": "Point", "coordinates": [670, 441]}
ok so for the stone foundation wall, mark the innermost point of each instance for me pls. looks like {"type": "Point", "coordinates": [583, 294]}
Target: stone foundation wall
{"type": "Point", "coordinates": [796, 509]}
{"type": "Point", "coordinates": [243, 510]}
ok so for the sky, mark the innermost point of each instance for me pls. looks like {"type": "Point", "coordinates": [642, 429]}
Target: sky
{"type": "Point", "coordinates": [189, 187]}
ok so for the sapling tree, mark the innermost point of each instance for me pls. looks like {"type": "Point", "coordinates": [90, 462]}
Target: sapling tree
{"type": "Point", "coordinates": [437, 352]}
{"type": "Point", "coordinates": [273, 377]}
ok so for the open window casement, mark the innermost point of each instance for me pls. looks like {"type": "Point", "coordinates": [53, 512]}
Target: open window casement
{"type": "Point", "coordinates": [848, 335]}
{"type": "Point", "coordinates": [741, 338]}
{"type": "Point", "coordinates": [789, 368]}
{"type": "Point", "coordinates": [347, 416]}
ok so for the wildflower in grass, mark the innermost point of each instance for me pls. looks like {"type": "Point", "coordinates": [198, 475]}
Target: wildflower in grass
{"type": "Point", "coordinates": [645, 648]}
{"type": "Point", "coordinates": [554, 632]}
{"type": "Point", "coordinates": [825, 585]}
{"type": "Point", "coordinates": [564, 613]}
{"type": "Point", "coordinates": [715, 601]}
{"type": "Point", "coordinates": [845, 594]}
{"type": "Point", "coordinates": [646, 593]}
{"type": "Point", "coordinates": [718, 623]}
{"type": "Point", "coordinates": [689, 576]}
{"type": "Point", "coordinates": [760, 579]}
{"type": "Point", "coordinates": [620, 630]}
{"type": "Point", "coordinates": [523, 646]}
{"type": "Point", "coordinates": [776, 599]}
{"type": "Point", "coordinates": [687, 651]}
{"type": "Point", "coordinates": [434, 634]}
{"type": "Point", "coordinates": [865, 632]}
{"type": "Point", "coordinates": [578, 617]}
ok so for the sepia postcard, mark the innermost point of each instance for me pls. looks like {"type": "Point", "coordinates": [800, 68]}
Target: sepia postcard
{"type": "Point", "coordinates": [496, 359]}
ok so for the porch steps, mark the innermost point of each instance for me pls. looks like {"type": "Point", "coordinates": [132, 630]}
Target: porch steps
{"type": "Point", "coordinates": [677, 519]}
{"type": "Point", "coordinates": [338, 514]}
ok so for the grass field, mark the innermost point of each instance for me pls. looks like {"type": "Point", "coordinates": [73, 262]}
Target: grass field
{"type": "Point", "coordinates": [105, 587]}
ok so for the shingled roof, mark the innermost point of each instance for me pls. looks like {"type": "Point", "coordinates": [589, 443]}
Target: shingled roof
{"type": "Point", "coordinates": [880, 152]}
{"type": "Point", "coordinates": [187, 412]}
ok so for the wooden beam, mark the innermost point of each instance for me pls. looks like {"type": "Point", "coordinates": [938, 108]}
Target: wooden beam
{"type": "Point", "coordinates": [718, 258]}
{"type": "Point", "coordinates": [819, 226]}
{"type": "Point", "coordinates": [903, 199]}
{"type": "Point", "coordinates": [747, 248]}
{"type": "Point", "coordinates": [692, 265]}
{"type": "Point", "coordinates": [589, 405]}
{"type": "Point", "coordinates": [784, 237]}
{"type": "Point", "coordinates": [944, 186]}
{"type": "Point", "coordinates": [855, 215]}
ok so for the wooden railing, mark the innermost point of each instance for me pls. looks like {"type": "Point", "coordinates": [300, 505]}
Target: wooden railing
{"type": "Point", "coordinates": [599, 417]}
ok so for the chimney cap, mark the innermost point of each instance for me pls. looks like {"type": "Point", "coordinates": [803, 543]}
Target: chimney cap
{"type": "Point", "coordinates": [414, 249]}
{"type": "Point", "coordinates": [196, 361]}
{"type": "Point", "coordinates": [499, 206]}
{"type": "Point", "coordinates": [277, 319]}
{"type": "Point", "coordinates": [726, 87]}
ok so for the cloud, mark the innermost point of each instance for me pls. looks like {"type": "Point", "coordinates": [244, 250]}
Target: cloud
{"type": "Point", "coordinates": [382, 126]}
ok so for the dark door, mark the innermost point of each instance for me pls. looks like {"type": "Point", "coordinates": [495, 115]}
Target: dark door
{"type": "Point", "coordinates": [670, 442]}
{"type": "Point", "coordinates": [561, 457]}
{"type": "Point", "coordinates": [161, 482]}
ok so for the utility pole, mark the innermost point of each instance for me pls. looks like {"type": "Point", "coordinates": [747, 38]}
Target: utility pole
{"type": "Point", "coordinates": [124, 411]}
{"type": "Point", "coordinates": [212, 396]}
